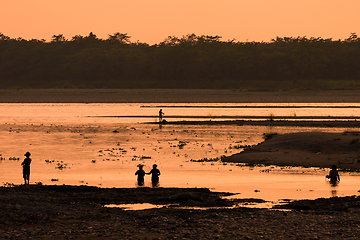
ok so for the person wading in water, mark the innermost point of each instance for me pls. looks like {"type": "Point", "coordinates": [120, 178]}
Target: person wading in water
{"type": "Point", "coordinates": [140, 173]}
{"type": "Point", "coordinates": [155, 173]}
{"type": "Point", "coordinates": [333, 174]}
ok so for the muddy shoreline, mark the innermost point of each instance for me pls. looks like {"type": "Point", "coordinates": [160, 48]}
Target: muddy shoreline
{"type": "Point", "coordinates": [174, 96]}
{"type": "Point", "coordinates": [72, 212]}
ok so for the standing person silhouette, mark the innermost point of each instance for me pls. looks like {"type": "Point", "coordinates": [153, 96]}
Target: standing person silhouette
{"type": "Point", "coordinates": [155, 173]}
{"type": "Point", "coordinates": [26, 167]}
{"type": "Point", "coordinates": [161, 114]}
{"type": "Point", "coordinates": [141, 174]}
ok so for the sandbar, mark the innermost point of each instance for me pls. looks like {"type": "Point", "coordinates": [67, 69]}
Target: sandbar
{"type": "Point", "coordinates": [308, 149]}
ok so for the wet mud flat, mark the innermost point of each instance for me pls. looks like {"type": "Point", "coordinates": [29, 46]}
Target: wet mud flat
{"type": "Point", "coordinates": [174, 96]}
{"type": "Point", "coordinates": [73, 212]}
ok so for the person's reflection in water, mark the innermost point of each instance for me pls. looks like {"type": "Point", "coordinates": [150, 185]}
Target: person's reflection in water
{"type": "Point", "coordinates": [140, 173]}
{"type": "Point", "coordinates": [334, 193]}
{"type": "Point", "coordinates": [155, 173]}
{"type": "Point", "coordinates": [334, 183]}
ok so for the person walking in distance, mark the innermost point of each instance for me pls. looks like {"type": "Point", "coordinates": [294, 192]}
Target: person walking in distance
{"type": "Point", "coordinates": [161, 114]}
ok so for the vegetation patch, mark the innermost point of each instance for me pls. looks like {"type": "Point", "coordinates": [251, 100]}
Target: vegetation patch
{"type": "Point", "coordinates": [284, 63]}
{"type": "Point", "coordinates": [181, 144]}
{"type": "Point", "coordinates": [208, 159]}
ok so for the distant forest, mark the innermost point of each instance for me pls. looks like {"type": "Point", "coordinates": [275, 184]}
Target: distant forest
{"type": "Point", "coordinates": [188, 62]}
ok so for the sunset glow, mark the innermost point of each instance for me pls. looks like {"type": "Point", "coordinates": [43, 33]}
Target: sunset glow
{"type": "Point", "coordinates": [152, 21]}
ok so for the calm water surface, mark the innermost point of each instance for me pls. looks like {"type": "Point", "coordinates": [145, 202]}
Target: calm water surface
{"type": "Point", "coordinates": [96, 113]}
{"type": "Point", "coordinates": [80, 144]}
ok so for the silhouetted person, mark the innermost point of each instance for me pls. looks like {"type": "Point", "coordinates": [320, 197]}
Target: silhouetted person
{"type": "Point", "coordinates": [333, 174]}
{"type": "Point", "coordinates": [26, 167]}
{"type": "Point", "coordinates": [155, 173]}
{"type": "Point", "coordinates": [161, 114]}
{"type": "Point", "coordinates": [140, 173]}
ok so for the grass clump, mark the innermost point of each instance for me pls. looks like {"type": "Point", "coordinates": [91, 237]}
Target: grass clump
{"type": "Point", "coordinates": [251, 164]}
{"type": "Point", "coordinates": [240, 146]}
{"type": "Point", "coordinates": [208, 159]}
{"type": "Point", "coordinates": [181, 144]}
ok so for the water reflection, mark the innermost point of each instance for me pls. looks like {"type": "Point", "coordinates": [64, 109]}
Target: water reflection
{"type": "Point", "coordinates": [334, 193]}
{"type": "Point", "coordinates": [143, 184]}
{"type": "Point", "coordinates": [104, 113]}
{"type": "Point", "coordinates": [144, 206]}
{"type": "Point", "coordinates": [134, 207]}
{"type": "Point", "coordinates": [155, 184]}
{"type": "Point", "coordinates": [105, 151]}
{"type": "Point", "coordinates": [334, 183]}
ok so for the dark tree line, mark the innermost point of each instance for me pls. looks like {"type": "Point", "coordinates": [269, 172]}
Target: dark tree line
{"type": "Point", "coordinates": [188, 62]}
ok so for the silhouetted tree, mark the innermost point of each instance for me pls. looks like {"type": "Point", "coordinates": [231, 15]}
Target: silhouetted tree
{"type": "Point", "coordinates": [119, 38]}
{"type": "Point", "coordinates": [58, 38]}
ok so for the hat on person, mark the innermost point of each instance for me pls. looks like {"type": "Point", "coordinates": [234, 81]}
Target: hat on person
{"type": "Point", "coordinates": [27, 154]}
{"type": "Point", "coordinates": [154, 165]}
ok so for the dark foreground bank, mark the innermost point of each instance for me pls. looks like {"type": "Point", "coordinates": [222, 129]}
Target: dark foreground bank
{"type": "Point", "coordinates": [62, 212]}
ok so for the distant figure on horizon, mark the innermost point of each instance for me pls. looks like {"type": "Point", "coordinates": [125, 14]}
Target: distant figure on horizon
{"type": "Point", "coordinates": [26, 167]}
{"type": "Point", "coordinates": [333, 174]}
{"type": "Point", "coordinates": [140, 173]}
{"type": "Point", "coordinates": [161, 114]}
{"type": "Point", "coordinates": [155, 173]}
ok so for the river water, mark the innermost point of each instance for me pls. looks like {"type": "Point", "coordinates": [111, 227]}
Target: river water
{"type": "Point", "coordinates": [102, 144]}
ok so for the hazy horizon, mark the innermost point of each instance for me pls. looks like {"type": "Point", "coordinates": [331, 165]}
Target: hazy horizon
{"type": "Point", "coordinates": [152, 21]}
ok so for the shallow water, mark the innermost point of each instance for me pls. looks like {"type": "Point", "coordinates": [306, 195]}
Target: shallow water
{"type": "Point", "coordinates": [99, 112]}
{"type": "Point", "coordinates": [69, 145]}
{"type": "Point", "coordinates": [136, 206]}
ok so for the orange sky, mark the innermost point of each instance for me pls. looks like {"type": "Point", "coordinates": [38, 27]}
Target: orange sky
{"type": "Point", "coordinates": [151, 21]}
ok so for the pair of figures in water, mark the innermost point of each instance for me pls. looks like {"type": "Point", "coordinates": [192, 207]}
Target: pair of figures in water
{"type": "Point", "coordinates": [155, 173]}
